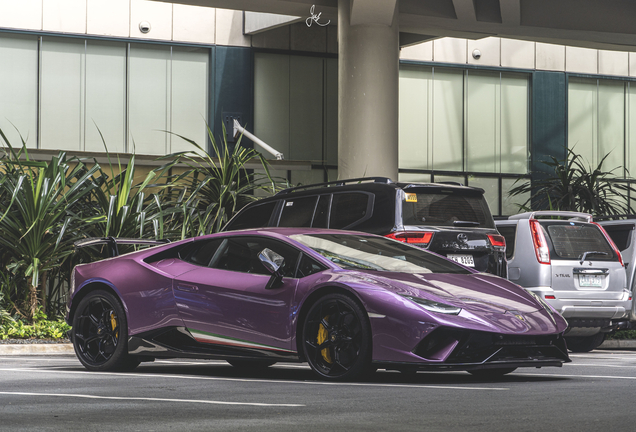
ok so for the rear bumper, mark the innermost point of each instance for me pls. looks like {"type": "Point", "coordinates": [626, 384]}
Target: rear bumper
{"type": "Point", "coordinates": [584, 304]}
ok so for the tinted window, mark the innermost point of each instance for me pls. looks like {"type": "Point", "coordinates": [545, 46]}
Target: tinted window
{"type": "Point", "coordinates": [308, 266]}
{"type": "Point", "coordinates": [298, 212]}
{"type": "Point", "coordinates": [620, 234]}
{"type": "Point", "coordinates": [509, 233]}
{"type": "Point", "coordinates": [200, 252]}
{"type": "Point", "coordinates": [359, 252]}
{"type": "Point", "coordinates": [571, 240]}
{"type": "Point", "coordinates": [444, 208]}
{"type": "Point", "coordinates": [253, 217]}
{"type": "Point", "coordinates": [322, 212]}
{"type": "Point", "coordinates": [241, 254]}
{"type": "Point", "coordinates": [348, 208]}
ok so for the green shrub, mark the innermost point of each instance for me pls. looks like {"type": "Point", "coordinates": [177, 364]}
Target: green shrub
{"type": "Point", "coordinates": [42, 328]}
{"type": "Point", "coordinates": [622, 334]}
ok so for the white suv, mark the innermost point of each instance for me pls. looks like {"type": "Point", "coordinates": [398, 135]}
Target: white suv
{"type": "Point", "coordinates": [572, 264]}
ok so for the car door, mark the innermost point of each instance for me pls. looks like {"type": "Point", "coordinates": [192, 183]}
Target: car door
{"type": "Point", "coordinates": [223, 299]}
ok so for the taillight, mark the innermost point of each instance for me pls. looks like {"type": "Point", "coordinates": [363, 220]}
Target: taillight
{"type": "Point", "coordinates": [612, 244]}
{"type": "Point", "coordinates": [422, 238]}
{"type": "Point", "coordinates": [540, 245]}
{"type": "Point", "coordinates": [497, 240]}
{"type": "Point", "coordinates": [550, 297]}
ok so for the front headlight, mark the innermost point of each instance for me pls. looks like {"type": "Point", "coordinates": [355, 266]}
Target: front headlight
{"type": "Point", "coordinates": [433, 306]}
{"type": "Point", "coordinates": [545, 305]}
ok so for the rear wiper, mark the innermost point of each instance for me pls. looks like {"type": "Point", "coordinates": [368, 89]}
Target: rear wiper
{"type": "Point", "coordinates": [465, 223]}
{"type": "Point", "coordinates": [585, 254]}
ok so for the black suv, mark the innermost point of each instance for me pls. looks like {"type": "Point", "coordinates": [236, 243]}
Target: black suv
{"type": "Point", "coordinates": [450, 219]}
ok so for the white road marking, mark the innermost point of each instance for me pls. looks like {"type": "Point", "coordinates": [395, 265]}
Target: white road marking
{"type": "Point", "coordinates": [212, 402]}
{"type": "Point", "coordinates": [247, 380]}
{"type": "Point", "coordinates": [577, 376]}
{"type": "Point", "coordinates": [600, 365]}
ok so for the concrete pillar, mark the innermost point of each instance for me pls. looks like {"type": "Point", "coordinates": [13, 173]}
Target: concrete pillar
{"type": "Point", "coordinates": [368, 72]}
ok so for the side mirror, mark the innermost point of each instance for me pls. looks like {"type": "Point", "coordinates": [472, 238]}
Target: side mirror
{"type": "Point", "coordinates": [273, 263]}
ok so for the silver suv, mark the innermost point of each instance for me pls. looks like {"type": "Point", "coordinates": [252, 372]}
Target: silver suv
{"type": "Point", "coordinates": [571, 263]}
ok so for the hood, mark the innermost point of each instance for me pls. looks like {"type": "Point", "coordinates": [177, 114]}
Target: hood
{"type": "Point", "coordinates": [478, 291]}
{"type": "Point", "coordinates": [489, 302]}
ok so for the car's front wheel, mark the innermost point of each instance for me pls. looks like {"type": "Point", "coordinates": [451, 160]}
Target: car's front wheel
{"type": "Point", "coordinates": [99, 333]}
{"type": "Point", "coordinates": [337, 338]}
{"type": "Point", "coordinates": [584, 343]}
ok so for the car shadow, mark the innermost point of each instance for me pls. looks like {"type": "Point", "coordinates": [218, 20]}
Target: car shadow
{"type": "Point", "coordinates": [296, 372]}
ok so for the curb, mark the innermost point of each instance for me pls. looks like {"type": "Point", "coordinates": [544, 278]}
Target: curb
{"type": "Point", "coordinates": [36, 349]}
{"type": "Point", "coordinates": [618, 344]}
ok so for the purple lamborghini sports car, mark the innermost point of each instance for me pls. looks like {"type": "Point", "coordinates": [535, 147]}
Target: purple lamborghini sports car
{"type": "Point", "coordinates": [345, 302]}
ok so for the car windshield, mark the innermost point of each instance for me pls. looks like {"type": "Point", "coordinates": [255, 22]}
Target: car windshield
{"type": "Point", "coordinates": [445, 208]}
{"type": "Point", "coordinates": [359, 252]}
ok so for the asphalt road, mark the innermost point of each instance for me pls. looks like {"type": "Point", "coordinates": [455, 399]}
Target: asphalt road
{"type": "Point", "coordinates": [37, 393]}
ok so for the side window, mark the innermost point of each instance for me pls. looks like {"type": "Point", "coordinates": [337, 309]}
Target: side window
{"type": "Point", "coordinates": [240, 254]}
{"type": "Point", "coordinates": [620, 234]}
{"type": "Point", "coordinates": [322, 212]}
{"type": "Point", "coordinates": [347, 208]}
{"type": "Point", "coordinates": [200, 252]}
{"type": "Point", "coordinates": [309, 266]}
{"type": "Point", "coordinates": [254, 217]}
{"type": "Point", "coordinates": [298, 212]}
{"type": "Point", "coordinates": [510, 234]}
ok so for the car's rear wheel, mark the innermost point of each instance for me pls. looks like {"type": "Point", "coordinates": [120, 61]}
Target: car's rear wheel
{"type": "Point", "coordinates": [100, 332]}
{"type": "Point", "coordinates": [337, 338]}
{"type": "Point", "coordinates": [491, 373]}
{"type": "Point", "coordinates": [584, 343]}
{"type": "Point", "coordinates": [251, 364]}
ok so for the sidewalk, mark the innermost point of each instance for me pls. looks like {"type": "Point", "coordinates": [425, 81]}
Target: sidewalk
{"type": "Point", "coordinates": [36, 349]}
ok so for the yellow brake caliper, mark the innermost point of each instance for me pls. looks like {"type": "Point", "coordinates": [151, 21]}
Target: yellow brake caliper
{"type": "Point", "coordinates": [322, 337]}
{"type": "Point", "coordinates": [113, 322]}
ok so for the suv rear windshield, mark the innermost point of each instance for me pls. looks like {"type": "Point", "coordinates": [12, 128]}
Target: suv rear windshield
{"type": "Point", "coordinates": [445, 208]}
{"type": "Point", "coordinates": [570, 240]}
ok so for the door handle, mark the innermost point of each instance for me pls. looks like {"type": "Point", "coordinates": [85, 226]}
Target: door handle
{"type": "Point", "coordinates": [187, 288]}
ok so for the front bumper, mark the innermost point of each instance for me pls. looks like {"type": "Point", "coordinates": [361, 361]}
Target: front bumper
{"type": "Point", "coordinates": [459, 349]}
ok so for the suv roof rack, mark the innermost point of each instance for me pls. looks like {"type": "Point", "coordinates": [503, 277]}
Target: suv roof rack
{"type": "Point", "coordinates": [583, 217]}
{"type": "Point", "coordinates": [337, 183]}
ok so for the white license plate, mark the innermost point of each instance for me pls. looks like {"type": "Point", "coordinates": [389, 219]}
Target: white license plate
{"type": "Point", "coordinates": [466, 260]}
{"type": "Point", "coordinates": [591, 281]}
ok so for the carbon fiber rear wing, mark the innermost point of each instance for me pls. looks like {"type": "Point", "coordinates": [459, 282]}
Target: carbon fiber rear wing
{"type": "Point", "coordinates": [112, 243]}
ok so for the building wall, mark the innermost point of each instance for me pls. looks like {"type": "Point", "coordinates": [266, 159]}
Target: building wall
{"type": "Point", "coordinates": [231, 80]}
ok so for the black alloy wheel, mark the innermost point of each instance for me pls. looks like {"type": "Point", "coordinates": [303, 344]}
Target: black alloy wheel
{"type": "Point", "coordinates": [337, 338]}
{"type": "Point", "coordinates": [100, 332]}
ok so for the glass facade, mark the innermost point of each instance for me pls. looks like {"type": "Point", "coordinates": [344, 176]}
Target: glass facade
{"type": "Point", "coordinates": [600, 122]}
{"type": "Point", "coordinates": [68, 93]}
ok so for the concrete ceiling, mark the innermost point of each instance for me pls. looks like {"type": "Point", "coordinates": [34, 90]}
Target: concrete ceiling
{"type": "Point", "coordinates": [601, 24]}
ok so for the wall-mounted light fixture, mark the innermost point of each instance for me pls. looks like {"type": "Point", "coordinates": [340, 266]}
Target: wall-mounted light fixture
{"type": "Point", "coordinates": [144, 27]}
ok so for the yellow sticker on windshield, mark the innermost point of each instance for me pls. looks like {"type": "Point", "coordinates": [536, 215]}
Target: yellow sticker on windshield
{"type": "Point", "coordinates": [411, 197]}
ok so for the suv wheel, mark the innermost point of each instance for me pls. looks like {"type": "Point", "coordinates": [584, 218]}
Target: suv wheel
{"type": "Point", "coordinates": [584, 343]}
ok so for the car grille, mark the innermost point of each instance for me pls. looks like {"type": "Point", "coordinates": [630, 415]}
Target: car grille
{"type": "Point", "coordinates": [456, 346]}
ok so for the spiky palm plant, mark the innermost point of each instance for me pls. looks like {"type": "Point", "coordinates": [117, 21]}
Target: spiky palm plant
{"type": "Point", "coordinates": [573, 186]}
{"type": "Point", "coordinates": [212, 190]}
{"type": "Point", "coordinates": [38, 225]}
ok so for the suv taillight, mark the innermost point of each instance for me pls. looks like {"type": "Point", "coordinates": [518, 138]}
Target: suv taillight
{"type": "Point", "coordinates": [540, 245]}
{"type": "Point", "coordinates": [421, 238]}
{"type": "Point", "coordinates": [612, 244]}
{"type": "Point", "coordinates": [497, 240]}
